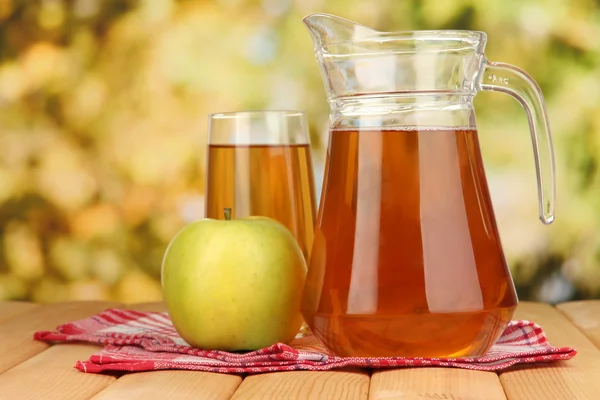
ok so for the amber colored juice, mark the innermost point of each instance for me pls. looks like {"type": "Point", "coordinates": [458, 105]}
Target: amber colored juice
{"type": "Point", "coordinates": [407, 259]}
{"type": "Point", "coordinates": [274, 181]}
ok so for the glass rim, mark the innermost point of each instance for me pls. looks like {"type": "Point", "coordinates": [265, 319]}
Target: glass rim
{"type": "Point", "coordinates": [256, 114]}
{"type": "Point", "coordinates": [274, 126]}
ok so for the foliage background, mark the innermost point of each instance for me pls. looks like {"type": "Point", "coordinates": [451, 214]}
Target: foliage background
{"type": "Point", "coordinates": [103, 114]}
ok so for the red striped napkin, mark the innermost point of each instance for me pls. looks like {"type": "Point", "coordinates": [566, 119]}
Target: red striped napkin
{"type": "Point", "coordinates": [147, 341]}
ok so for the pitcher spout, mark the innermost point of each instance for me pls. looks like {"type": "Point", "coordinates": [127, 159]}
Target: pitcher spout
{"type": "Point", "coordinates": [357, 60]}
{"type": "Point", "coordinates": [326, 29]}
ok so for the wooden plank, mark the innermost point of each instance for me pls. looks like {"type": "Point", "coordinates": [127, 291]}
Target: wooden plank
{"type": "Point", "coordinates": [435, 383]}
{"type": "Point", "coordinates": [50, 376]}
{"type": "Point", "coordinates": [585, 315]}
{"type": "Point", "coordinates": [310, 385]}
{"type": "Point", "coordinates": [16, 333]}
{"type": "Point", "coordinates": [577, 379]}
{"type": "Point", "coordinates": [180, 385]}
{"type": "Point", "coordinates": [9, 309]}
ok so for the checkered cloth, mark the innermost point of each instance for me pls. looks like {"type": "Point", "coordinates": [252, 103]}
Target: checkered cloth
{"type": "Point", "coordinates": [147, 341]}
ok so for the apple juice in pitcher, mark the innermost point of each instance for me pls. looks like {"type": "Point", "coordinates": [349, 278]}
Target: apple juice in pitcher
{"type": "Point", "coordinates": [406, 257]}
{"type": "Point", "coordinates": [423, 245]}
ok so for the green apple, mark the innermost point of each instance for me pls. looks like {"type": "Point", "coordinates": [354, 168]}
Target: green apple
{"type": "Point", "coordinates": [234, 284]}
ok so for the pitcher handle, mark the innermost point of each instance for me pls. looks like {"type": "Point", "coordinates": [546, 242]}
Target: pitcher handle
{"type": "Point", "coordinates": [506, 78]}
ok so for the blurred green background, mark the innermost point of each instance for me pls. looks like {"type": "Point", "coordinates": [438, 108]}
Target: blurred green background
{"type": "Point", "coordinates": [103, 122]}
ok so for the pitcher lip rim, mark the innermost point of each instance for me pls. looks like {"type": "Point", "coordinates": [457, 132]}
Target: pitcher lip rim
{"type": "Point", "coordinates": [469, 36]}
{"type": "Point", "coordinates": [435, 32]}
{"type": "Point", "coordinates": [480, 36]}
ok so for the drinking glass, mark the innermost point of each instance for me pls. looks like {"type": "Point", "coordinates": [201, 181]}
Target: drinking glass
{"type": "Point", "coordinates": [259, 163]}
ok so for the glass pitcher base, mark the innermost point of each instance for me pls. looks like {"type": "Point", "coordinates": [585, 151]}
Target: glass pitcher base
{"type": "Point", "coordinates": [463, 334]}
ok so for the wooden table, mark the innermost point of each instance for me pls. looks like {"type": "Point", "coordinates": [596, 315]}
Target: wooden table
{"type": "Point", "coordinates": [35, 370]}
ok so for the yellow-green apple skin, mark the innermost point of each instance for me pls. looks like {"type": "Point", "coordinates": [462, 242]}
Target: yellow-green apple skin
{"type": "Point", "coordinates": [234, 284]}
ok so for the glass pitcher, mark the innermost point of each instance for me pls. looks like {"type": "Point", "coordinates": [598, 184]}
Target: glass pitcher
{"type": "Point", "coordinates": [406, 258]}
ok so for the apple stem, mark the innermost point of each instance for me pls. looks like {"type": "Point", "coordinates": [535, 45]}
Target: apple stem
{"type": "Point", "coordinates": [227, 212]}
